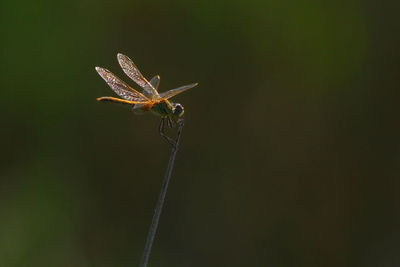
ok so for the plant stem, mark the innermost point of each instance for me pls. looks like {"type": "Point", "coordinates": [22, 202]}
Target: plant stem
{"type": "Point", "coordinates": [160, 201]}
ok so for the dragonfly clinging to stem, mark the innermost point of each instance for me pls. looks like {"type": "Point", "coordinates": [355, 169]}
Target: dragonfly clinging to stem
{"type": "Point", "coordinates": [149, 100]}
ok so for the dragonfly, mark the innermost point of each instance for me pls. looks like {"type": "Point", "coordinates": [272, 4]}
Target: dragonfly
{"type": "Point", "coordinates": [149, 100]}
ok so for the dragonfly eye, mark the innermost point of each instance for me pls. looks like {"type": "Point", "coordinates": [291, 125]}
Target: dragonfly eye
{"type": "Point", "coordinates": [178, 110]}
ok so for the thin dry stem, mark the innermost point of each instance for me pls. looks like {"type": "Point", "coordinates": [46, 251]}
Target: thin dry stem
{"type": "Point", "coordinates": [161, 198]}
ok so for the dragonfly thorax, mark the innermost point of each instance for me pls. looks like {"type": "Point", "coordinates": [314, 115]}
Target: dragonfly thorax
{"type": "Point", "coordinates": [165, 108]}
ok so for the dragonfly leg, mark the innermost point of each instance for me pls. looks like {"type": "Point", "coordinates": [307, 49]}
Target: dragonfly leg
{"type": "Point", "coordinates": [170, 122]}
{"type": "Point", "coordinates": [161, 130]}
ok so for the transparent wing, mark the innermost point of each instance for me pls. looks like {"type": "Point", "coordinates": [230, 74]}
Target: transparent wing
{"type": "Point", "coordinates": [155, 81]}
{"type": "Point", "coordinates": [176, 91]}
{"type": "Point", "coordinates": [120, 87]}
{"type": "Point", "coordinates": [133, 72]}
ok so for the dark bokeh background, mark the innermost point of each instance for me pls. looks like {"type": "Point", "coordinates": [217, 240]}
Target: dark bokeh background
{"type": "Point", "coordinates": [290, 155]}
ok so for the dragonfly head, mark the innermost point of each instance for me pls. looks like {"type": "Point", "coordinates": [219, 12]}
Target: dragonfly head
{"type": "Point", "coordinates": [178, 110]}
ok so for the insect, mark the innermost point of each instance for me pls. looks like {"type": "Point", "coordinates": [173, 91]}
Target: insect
{"type": "Point", "coordinates": [147, 101]}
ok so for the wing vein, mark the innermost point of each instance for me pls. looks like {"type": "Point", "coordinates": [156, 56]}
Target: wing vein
{"type": "Point", "coordinates": [120, 87]}
{"type": "Point", "coordinates": [133, 72]}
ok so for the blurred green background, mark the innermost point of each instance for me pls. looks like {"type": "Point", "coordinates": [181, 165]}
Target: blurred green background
{"type": "Point", "coordinates": [290, 155]}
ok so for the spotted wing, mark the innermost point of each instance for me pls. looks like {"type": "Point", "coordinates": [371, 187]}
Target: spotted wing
{"type": "Point", "coordinates": [133, 72]}
{"type": "Point", "coordinates": [120, 87]}
{"type": "Point", "coordinates": [176, 91]}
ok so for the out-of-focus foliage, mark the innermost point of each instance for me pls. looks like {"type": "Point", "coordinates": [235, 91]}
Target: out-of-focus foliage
{"type": "Point", "coordinates": [290, 154]}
